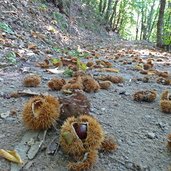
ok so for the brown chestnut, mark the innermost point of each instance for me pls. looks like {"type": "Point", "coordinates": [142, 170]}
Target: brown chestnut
{"type": "Point", "coordinates": [81, 130]}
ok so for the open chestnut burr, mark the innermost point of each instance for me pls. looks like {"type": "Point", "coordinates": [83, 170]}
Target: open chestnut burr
{"type": "Point", "coordinates": [81, 137]}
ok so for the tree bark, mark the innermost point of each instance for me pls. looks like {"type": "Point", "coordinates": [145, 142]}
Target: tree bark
{"type": "Point", "coordinates": [108, 10]}
{"type": "Point", "coordinates": [149, 21]}
{"type": "Point", "coordinates": [160, 23]}
{"type": "Point", "coordinates": [100, 6]}
{"type": "Point", "coordinates": [104, 6]}
{"type": "Point", "coordinates": [137, 27]}
{"type": "Point", "coordinates": [113, 13]}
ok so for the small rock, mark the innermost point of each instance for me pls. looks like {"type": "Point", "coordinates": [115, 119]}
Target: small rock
{"type": "Point", "coordinates": [5, 115]}
{"type": "Point", "coordinates": [151, 135]}
{"type": "Point", "coordinates": [120, 85]}
{"type": "Point", "coordinates": [122, 92]}
{"type": "Point", "coordinates": [33, 150]}
{"type": "Point", "coordinates": [103, 109]}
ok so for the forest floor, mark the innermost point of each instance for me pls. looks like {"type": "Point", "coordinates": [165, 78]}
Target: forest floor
{"type": "Point", "coordinates": [140, 128]}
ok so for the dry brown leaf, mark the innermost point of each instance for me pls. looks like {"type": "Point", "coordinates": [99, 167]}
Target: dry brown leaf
{"type": "Point", "coordinates": [37, 35]}
{"type": "Point", "coordinates": [74, 105]}
{"type": "Point", "coordinates": [20, 93]}
{"type": "Point", "coordinates": [44, 64]}
{"type": "Point", "coordinates": [11, 156]}
{"type": "Point", "coordinates": [32, 46]}
{"type": "Point", "coordinates": [108, 70]}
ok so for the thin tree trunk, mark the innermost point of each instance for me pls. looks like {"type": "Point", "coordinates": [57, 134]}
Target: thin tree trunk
{"type": "Point", "coordinates": [104, 6]}
{"type": "Point", "coordinates": [114, 12]}
{"type": "Point", "coordinates": [149, 21]}
{"type": "Point", "coordinates": [119, 17]}
{"type": "Point", "coordinates": [100, 6]}
{"type": "Point", "coordinates": [160, 23]}
{"type": "Point", "coordinates": [153, 24]}
{"type": "Point", "coordinates": [108, 10]}
{"type": "Point", "coordinates": [137, 26]}
{"type": "Point", "coordinates": [142, 24]}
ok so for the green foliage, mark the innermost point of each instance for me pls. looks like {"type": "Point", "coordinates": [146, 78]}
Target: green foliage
{"type": "Point", "coordinates": [56, 49]}
{"type": "Point", "coordinates": [11, 57]}
{"type": "Point", "coordinates": [54, 60]}
{"type": "Point", "coordinates": [82, 66]}
{"type": "Point", "coordinates": [68, 72]}
{"type": "Point", "coordinates": [60, 20]}
{"type": "Point", "coordinates": [76, 53]}
{"type": "Point", "coordinates": [43, 7]}
{"type": "Point", "coordinates": [6, 28]}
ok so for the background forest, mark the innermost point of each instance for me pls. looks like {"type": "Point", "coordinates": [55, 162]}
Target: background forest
{"type": "Point", "coordinates": [136, 20]}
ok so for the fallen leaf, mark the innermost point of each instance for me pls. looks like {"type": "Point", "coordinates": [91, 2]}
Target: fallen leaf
{"type": "Point", "coordinates": [11, 156]}
{"type": "Point", "coordinates": [44, 64]}
{"type": "Point", "coordinates": [27, 92]}
{"type": "Point", "coordinates": [108, 70]}
{"type": "Point", "coordinates": [55, 71]}
{"type": "Point", "coordinates": [74, 105]}
{"type": "Point", "coordinates": [53, 146]}
{"type": "Point", "coordinates": [68, 137]}
{"type": "Point", "coordinates": [51, 29]}
{"type": "Point", "coordinates": [32, 46]}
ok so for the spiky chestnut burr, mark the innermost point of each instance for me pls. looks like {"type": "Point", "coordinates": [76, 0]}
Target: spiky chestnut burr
{"type": "Point", "coordinates": [165, 102]}
{"type": "Point", "coordinates": [90, 84]}
{"type": "Point", "coordinates": [164, 81]}
{"type": "Point", "coordinates": [105, 84]}
{"type": "Point", "coordinates": [109, 144]}
{"type": "Point", "coordinates": [31, 80]}
{"type": "Point", "coordinates": [81, 137]}
{"type": "Point", "coordinates": [69, 137]}
{"type": "Point", "coordinates": [113, 79]}
{"type": "Point", "coordinates": [165, 95]}
{"type": "Point", "coordinates": [75, 83]}
{"type": "Point", "coordinates": [56, 84]}
{"type": "Point", "coordinates": [41, 112]}
{"type": "Point", "coordinates": [165, 106]}
{"type": "Point", "coordinates": [146, 95]}
{"type": "Point", "coordinates": [88, 161]}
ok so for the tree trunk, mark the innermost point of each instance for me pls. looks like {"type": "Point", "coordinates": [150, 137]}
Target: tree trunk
{"type": "Point", "coordinates": [108, 10]}
{"type": "Point", "coordinates": [153, 24]}
{"type": "Point", "coordinates": [118, 17]}
{"type": "Point", "coordinates": [113, 13]}
{"type": "Point", "coordinates": [149, 21]}
{"type": "Point", "coordinates": [137, 26]}
{"type": "Point", "coordinates": [160, 23]}
{"type": "Point", "coordinates": [100, 6]}
{"type": "Point", "coordinates": [104, 6]}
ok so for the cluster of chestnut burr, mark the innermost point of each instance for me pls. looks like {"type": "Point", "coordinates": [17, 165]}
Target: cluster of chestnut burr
{"type": "Point", "coordinates": [81, 135]}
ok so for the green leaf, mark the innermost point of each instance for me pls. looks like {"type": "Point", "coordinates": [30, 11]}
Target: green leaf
{"type": "Point", "coordinates": [81, 65]}
{"type": "Point", "coordinates": [68, 137]}
{"type": "Point", "coordinates": [6, 28]}
{"type": "Point", "coordinates": [74, 53]}
{"type": "Point", "coordinates": [11, 57]}
{"type": "Point", "coordinates": [56, 49]}
{"type": "Point", "coordinates": [55, 60]}
{"type": "Point", "coordinates": [68, 72]}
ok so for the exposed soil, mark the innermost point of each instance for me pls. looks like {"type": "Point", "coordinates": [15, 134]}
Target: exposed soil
{"type": "Point", "coordinates": [140, 128]}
